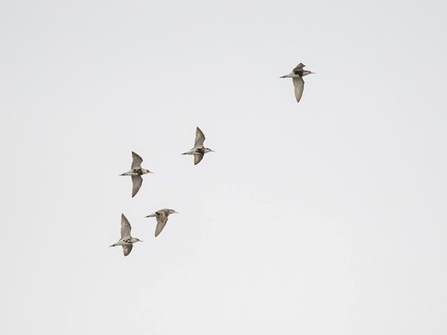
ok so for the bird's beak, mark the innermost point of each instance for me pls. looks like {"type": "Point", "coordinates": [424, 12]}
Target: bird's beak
{"type": "Point", "coordinates": [140, 241]}
{"type": "Point", "coordinates": [151, 215]}
{"type": "Point", "coordinates": [175, 212]}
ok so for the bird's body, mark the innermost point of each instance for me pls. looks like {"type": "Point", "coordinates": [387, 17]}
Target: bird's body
{"type": "Point", "coordinates": [126, 240]}
{"type": "Point", "coordinates": [297, 75]}
{"type": "Point", "coordinates": [162, 218]}
{"type": "Point", "coordinates": [199, 150]}
{"type": "Point", "coordinates": [136, 171]}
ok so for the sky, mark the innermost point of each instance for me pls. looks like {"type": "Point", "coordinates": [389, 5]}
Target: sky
{"type": "Point", "coordinates": [323, 217]}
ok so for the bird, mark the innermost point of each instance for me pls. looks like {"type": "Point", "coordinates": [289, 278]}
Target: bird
{"type": "Point", "coordinates": [136, 171]}
{"type": "Point", "coordinates": [199, 150]}
{"type": "Point", "coordinates": [126, 241]}
{"type": "Point", "coordinates": [162, 218]}
{"type": "Point", "coordinates": [297, 75]}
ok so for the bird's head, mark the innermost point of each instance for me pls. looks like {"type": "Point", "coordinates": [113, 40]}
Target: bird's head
{"type": "Point", "coordinates": [305, 73]}
{"type": "Point", "coordinates": [144, 171]}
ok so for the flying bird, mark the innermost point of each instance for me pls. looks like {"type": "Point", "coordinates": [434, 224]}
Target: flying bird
{"type": "Point", "coordinates": [297, 75]}
{"type": "Point", "coordinates": [136, 171]}
{"type": "Point", "coordinates": [199, 150]}
{"type": "Point", "coordinates": [162, 218]}
{"type": "Point", "coordinates": [126, 240]}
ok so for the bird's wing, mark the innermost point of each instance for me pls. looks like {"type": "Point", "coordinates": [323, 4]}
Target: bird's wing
{"type": "Point", "coordinates": [200, 138]}
{"type": "Point", "coordinates": [127, 248]}
{"type": "Point", "coordinates": [136, 184]}
{"type": "Point", "coordinates": [162, 219]}
{"type": "Point", "coordinates": [198, 158]}
{"type": "Point", "coordinates": [298, 68]}
{"type": "Point", "coordinates": [298, 83]}
{"type": "Point", "coordinates": [125, 227]}
{"type": "Point", "coordinates": [136, 161]}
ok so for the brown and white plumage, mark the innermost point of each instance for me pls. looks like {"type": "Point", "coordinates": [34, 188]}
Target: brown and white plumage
{"type": "Point", "coordinates": [136, 171]}
{"type": "Point", "coordinates": [126, 240]}
{"type": "Point", "coordinates": [198, 150]}
{"type": "Point", "coordinates": [297, 75]}
{"type": "Point", "coordinates": [162, 218]}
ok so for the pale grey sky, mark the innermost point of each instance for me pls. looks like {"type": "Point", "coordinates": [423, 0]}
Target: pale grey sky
{"type": "Point", "coordinates": [323, 217]}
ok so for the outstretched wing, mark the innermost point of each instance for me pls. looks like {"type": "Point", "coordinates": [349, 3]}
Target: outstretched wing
{"type": "Point", "coordinates": [127, 248]}
{"type": "Point", "coordinates": [200, 138]}
{"type": "Point", "coordinates": [136, 161]}
{"type": "Point", "coordinates": [298, 83]}
{"type": "Point", "coordinates": [125, 227]}
{"type": "Point", "coordinates": [198, 158]}
{"type": "Point", "coordinates": [162, 219]}
{"type": "Point", "coordinates": [137, 181]}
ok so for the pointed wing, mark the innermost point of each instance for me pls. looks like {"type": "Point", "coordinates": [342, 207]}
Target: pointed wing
{"type": "Point", "coordinates": [298, 68]}
{"type": "Point", "coordinates": [198, 158]}
{"type": "Point", "coordinates": [136, 161]}
{"type": "Point", "coordinates": [162, 219]}
{"type": "Point", "coordinates": [298, 83]}
{"type": "Point", "coordinates": [137, 181]}
{"type": "Point", "coordinates": [125, 227]}
{"type": "Point", "coordinates": [127, 248]}
{"type": "Point", "coordinates": [200, 138]}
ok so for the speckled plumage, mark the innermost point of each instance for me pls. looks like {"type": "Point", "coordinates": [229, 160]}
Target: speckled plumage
{"type": "Point", "coordinates": [198, 150]}
{"type": "Point", "coordinates": [126, 240]}
{"type": "Point", "coordinates": [162, 218]}
{"type": "Point", "coordinates": [297, 75]}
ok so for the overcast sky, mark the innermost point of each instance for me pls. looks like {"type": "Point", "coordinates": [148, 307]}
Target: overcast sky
{"type": "Point", "coordinates": [323, 217]}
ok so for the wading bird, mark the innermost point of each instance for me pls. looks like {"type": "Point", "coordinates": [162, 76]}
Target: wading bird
{"type": "Point", "coordinates": [199, 150]}
{"type": "Point", "coordinates": [162, 218]}
{"type": "Point", "coordinates": [126, 240]}
{"type": "Point", "coordinates": [136, 171]}
{"type": "Point", "coordinates": [297, 75]}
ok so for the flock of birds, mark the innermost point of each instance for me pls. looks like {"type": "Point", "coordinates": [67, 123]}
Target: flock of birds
{"type": "Point", "coordinates": [198, 151]}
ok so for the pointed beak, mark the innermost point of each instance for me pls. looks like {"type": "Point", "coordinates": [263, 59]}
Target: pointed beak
{"type": "Point", "coordinates": [174, 212]}
{"type": "Point", "coordinates": [140, 241]}
{"type": "Point", "coordinates": [151, 215]}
